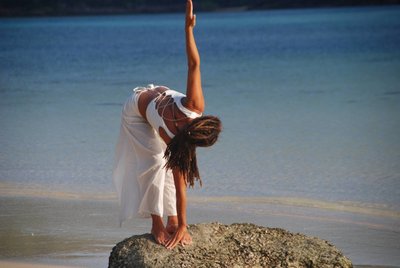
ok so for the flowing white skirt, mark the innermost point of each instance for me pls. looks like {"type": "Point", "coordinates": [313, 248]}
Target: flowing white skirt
{"type": "Point", "coordinates": [143, 185]}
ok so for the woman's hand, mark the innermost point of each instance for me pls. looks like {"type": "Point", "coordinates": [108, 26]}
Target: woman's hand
{"type": "Point", "coordinates": [190, 17]}
{"type": "Point", "coordinates": [181, 235]}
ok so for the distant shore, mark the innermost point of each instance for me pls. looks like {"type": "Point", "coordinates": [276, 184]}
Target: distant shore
{"type": "Point", "coordinates": [20, 8]}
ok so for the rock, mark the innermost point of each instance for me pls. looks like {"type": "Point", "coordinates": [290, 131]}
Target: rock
{"type": "Point", "coordinates": [236, 245]}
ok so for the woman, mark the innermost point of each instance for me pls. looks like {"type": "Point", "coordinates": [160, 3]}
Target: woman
{"type": "Point", "coordinates": [156, 152]}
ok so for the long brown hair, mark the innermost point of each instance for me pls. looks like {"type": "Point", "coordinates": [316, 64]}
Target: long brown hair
{"type": "Point", "coordinates": [181, 150]}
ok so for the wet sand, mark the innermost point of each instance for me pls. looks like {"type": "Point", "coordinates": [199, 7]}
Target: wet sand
{"type": "Point", "coordinates": [81, 233]}
{"type": "Point", "coordinates": [14, 264]}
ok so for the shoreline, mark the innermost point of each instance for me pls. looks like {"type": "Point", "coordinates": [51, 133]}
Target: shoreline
{"type": "Point", "coordinates": [22, 264]}
{"type": "Point", "coordinates": [14, 190]}
{"type": "Point", "coordinates": [81, 233]}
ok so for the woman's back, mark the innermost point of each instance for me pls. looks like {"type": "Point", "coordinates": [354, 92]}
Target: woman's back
{"type": "Point", "coordinates": [165, 110]}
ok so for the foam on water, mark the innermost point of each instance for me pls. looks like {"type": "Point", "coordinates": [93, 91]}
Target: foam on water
{"type": "Point", "coordinates": [257, 204]}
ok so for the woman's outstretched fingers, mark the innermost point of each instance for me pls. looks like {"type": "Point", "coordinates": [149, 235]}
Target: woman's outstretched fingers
{"type": "Point", "coordinates": [186, 240]}
{"type": "Point", "coordinates": [173, 241]}
{"type": "Point", "coordinates": [176, 238]}
{"type": "Point", "coordinates": [189, 7]}
{"type": "Point", "coordinates": [190, 18]}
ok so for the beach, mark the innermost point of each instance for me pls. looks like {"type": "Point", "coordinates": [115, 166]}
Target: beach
{"type": "Point", "coordinates": [310, 107]}
{"type": "Point", "coordinates": [81, 232]}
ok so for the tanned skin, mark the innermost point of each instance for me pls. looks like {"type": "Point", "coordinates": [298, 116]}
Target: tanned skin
{"type": "Point", "coordinates": [175, 232]}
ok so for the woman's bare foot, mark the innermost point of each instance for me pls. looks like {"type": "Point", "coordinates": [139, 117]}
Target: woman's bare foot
{"type": "Point", "coordinates": [158, 231]}
{"type": "Point", "coordinates": [172, 224]}
{"type": "Point", "coordinates": [161, 236]}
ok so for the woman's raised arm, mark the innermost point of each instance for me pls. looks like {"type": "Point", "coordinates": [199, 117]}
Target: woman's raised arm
{"type": "Point", "coordinates": [194, 91]}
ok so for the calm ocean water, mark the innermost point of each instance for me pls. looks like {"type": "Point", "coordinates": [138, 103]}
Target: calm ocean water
{"type": "Point", "coordinates": [310, 101]}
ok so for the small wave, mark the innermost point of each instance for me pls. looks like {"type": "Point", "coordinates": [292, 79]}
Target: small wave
{"type": "Point", "coordinates": [391, 93]}
{"type": "Point", "coordinates": [23, 190]}
{"type": "Point", "coordinates": [373, 209]}
{"type": "Point", "coordinates": [344, 206]}
{"type": "Point", "coordinates": [312, 92]}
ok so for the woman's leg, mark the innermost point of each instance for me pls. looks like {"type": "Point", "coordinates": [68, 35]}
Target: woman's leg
{"type": "Point", "coordinates": [170, 208]}
{"type": "Point", "coordinates": [159, 199]}
{"type": "Point", "coordinates": [172, 224]}
{"type": "Point", "coordinates": [170, 202]}
{"type": "Point", "coordinates": [157, 229]}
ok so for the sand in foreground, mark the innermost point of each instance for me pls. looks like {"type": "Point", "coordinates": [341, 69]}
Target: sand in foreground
{"type": "Point", "coordinates": [11, 264]}
{"type": "Point", "coordinates": [82, 233]}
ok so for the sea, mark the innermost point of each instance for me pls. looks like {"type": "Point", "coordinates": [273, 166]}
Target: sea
{"type": "Point", "coordinates": [310, 105]}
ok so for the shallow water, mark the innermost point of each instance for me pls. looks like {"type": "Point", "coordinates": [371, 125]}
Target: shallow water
{"type": "Point", "coordinates": [309, 100]}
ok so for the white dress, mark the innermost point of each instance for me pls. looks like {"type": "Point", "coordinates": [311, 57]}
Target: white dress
{"type": "Point", "coordinates": [143, 185]}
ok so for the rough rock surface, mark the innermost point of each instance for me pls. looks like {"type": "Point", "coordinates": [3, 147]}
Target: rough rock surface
{"type": "Point", "coordinates": [236, 245]}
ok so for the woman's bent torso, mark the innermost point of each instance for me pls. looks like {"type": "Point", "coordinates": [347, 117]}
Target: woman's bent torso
{"type": "Point", "coordinates": [174, 119]}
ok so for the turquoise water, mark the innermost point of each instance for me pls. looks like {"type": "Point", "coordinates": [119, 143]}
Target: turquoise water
{"type": "Point", "coordinates": [310, 102]}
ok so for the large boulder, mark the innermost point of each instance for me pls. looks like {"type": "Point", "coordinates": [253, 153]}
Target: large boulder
{"type": "Point", "coordinates": [236, 245]}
